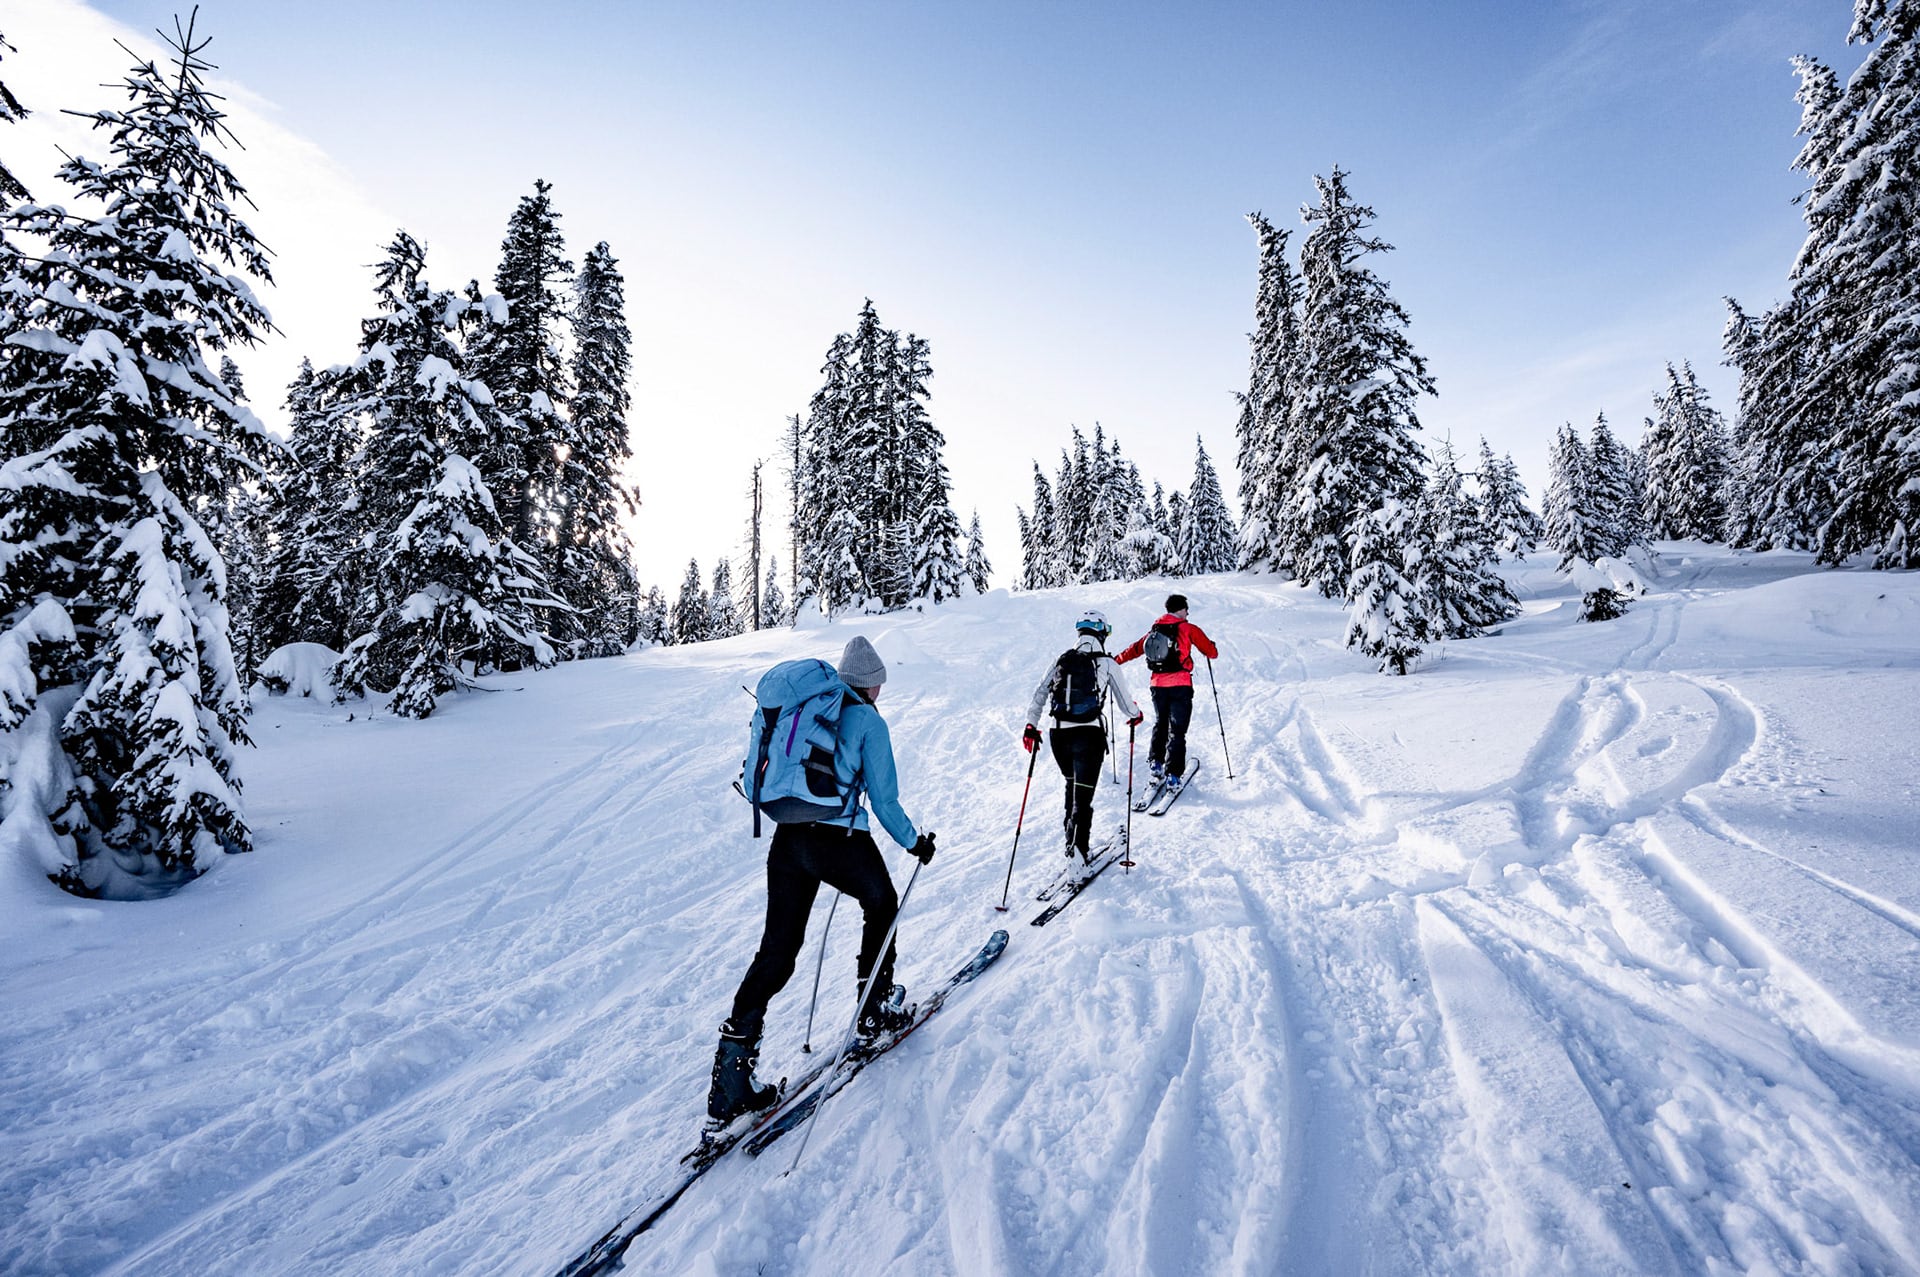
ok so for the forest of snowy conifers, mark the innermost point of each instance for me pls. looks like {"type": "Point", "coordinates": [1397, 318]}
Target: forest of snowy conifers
{"type": "Point", "coordinates": [446, 494]}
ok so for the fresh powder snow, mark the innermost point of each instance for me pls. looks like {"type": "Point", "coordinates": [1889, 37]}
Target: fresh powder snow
{"type": "Point", "coordinates": [1587, 948]}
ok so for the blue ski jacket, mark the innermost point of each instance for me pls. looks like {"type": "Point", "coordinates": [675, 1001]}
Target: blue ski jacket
{"type": "Point", "coordinates": [866, 752]}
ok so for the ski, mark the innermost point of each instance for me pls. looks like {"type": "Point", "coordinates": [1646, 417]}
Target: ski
{"type": "Point", "coordinates": [1147, 799]}
{"type": "Point", "coordinates": [1065, 892]}
{"type": "Point", "coordinates": [858, 1057]}
{"type": "Point", "coordinates": [802, 1096]}
{"type": "Point", "coordinates": [1076, 870]}
{"type": "Point", "coordinates": [1167, 800]}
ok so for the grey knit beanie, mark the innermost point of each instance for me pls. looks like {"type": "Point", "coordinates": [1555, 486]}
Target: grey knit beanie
{"type": "Point", "coordinates": [860, 665]}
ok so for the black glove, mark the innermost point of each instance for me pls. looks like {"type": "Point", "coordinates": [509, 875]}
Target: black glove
{"type": "Point", "coordinates": [922, 850]}
{"type": "Point", "coordinates": [1030, 739]}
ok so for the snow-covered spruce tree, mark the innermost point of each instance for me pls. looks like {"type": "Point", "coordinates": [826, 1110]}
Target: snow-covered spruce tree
{"type": "Point", "coordinates": [937, 566]}
{"type": "Point", "coordinates": [655, 625]}
{"type": "Point", "coordinates": [1575, 530]}
{"type": "Point", "coordinates": [1353, 402]}
{"type": "Point", "coordinates": [1834, 371]}
{"type": "Point", "coordinates": [117, 686]}
{"type": "Point", "coordinates": [1117, 493]}
{"type": "Point", "coordinates": [1270, 454]}
{"type": "Point", "coordinates": [688, 621]}
{"type": "Point", "coordinates": [315, 519]}
{"type": "Point", "coordinates": [723, 611]}
{"type": "Point", "coordinates": [774, 611]}
{"type": "Point", "coordinates": [1075, 487]}
{"type": "Point", "coordinates": [592, 559]}
{"type": "Point", "coordinates": [1460, 587]}
{"type": "Point", "coordinates": [518, 358]}
{"type": "Point", "coordinates": [874, 524]}
{"type": "Point", "coordinates": [1040, 539]}
{"type": "Point", "coordinates": [1512, 524]}
{"type": "Point", "coordinates": [979, 568]}
{"type": "Point", "coordinates": [1688, 469]}
{"type": "Point", "coordinates": [1385, 621]}
{"type": "Point", "coordinates": [1616, 502]}
{"type": "Point", "coordinates": [442, 587]}
{"type": "Point", "coordinates": [11, 188]}
{"type": "Point", "coordinates": [1207, 542]}
{"type": "Point", "coordinates": [1787, 480]}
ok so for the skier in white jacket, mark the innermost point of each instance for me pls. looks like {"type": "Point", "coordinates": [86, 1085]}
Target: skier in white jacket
{"type": "Point", "coordinates": [1074, 694]}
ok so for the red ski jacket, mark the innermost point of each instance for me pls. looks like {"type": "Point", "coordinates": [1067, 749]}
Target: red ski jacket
{"type": "Point", "coordinates": [1190, 637]}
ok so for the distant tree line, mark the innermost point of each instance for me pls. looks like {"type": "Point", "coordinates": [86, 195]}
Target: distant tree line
{"type": "Point", "coordinates": [1095, 523]}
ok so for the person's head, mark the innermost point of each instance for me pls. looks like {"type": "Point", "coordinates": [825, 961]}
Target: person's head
{"type": "Point", "coordinates": [862, 669]}
{"type": "Point", "coordinates": [1094, 623]}
{"type": "Point", "coordinates": [1177, 605]}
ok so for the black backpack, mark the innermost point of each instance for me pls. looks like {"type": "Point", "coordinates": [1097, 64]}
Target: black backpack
{"type": "Point", "coordinates": [1162, 648]}
{"type": "Point", "coordinates": [1076, 687]}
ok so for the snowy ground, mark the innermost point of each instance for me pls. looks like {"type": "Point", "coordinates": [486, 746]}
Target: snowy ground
{"type": "Point", "coordinates": [1587, 949]}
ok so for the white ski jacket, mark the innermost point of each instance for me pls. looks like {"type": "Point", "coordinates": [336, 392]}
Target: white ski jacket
{"type": "Point", "coordinates": [1112, 683]}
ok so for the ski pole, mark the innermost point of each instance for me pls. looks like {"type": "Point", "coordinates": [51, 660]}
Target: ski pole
{"type": "Point", "coordinates": [1033, 757]}
{"type": "Point", "coordinates": [1126, 865]}
{"type": "Point", "coordinates": [807, 1044]}
{"type": "Point", "coordinates": [860, 1004]}
{"type": "Point", "coordinates": [1216, 717]}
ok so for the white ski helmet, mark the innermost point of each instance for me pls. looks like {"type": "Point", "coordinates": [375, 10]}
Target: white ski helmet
{"type": "Point", "coordinates": [1092, 622]}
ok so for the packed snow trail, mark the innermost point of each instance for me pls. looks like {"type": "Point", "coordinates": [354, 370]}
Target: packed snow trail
{"type": "Point", "coordinates": [1585, 949]}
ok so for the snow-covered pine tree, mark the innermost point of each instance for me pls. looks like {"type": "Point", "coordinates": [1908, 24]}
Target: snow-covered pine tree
{"type": "Point", "coordinates": [1687, 465]}
{"type": "Point", "coordinates": [1385, 621]}
{"type": "Point", "coordinates": [1575, 528]}
{"type": "Point", "coordinates": [1616, 503]}
{"type": "Point", "coordinates": [1117, 493]}
{"type": "Point", "coordinates": [1512, 524]}
{"type": "Point", "coordinates": [1787, 479]}
{"type": "Point", "coordinates": [1207, 541]}
{"type": "Point", "coordinates": [1353, 402]}
{"type": "Point", "coordinates": [593, 559]}
{"type": "Point", "coordinates": [315, 520]}
{"type": "Point", "coordinates": [937, 566]}
{"type": "Point", "coordinates": [1177, 521]}
{"type": "Point", "coordinates": [1269, 454]}
{"type": "Point", "coordinates": [518, 357]}
{"type": "Point", "coordinates": [11, 188]}
{"type": "Point", "coordinates": [1834, 371]}
{"type": "Point", "coordinates": [691, 611]}
{"type": "Point", "coordinates": [655, 621]}
{"type": "Point", "coordinates": [1040, 539]}
{"type": "Point", "coordinates": [723, 610]}
{"type": "Point", "coordinates": [774, 612]}
{"type": "Point", "coordinates": [1458, 578]}
{"type": "Point", "coordinates": [979, 570]}
{"type": "Point", "coordinates": [1075, 488]}
{"type": "Point", "coordinates": [443, 589]}
{"type": "Point", "coordinates": [117, 686]}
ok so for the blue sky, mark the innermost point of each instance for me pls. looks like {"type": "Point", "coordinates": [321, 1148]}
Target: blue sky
{"type": "Point", "coordinates": [1051, 193]}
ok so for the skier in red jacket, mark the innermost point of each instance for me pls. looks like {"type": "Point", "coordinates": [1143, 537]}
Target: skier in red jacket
{"type": "Point", "coordinates": [1172, 687]}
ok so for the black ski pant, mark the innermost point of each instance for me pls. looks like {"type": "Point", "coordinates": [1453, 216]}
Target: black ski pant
{"type": "Point", "coordinates": [800, 859]}
{"type": "Point", "coordinates": [1079, 751]}
{"type": "Point", "coordinates": [1172, 711]}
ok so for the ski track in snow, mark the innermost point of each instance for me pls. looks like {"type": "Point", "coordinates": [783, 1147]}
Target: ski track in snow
{"type": "Point", "coordinates": [1497, 969]}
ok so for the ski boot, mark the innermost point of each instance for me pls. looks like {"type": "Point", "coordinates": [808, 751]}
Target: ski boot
{"type": "Point", "coordinates": [886, 1018]}
{"type": "Point", "coordinates": [1156, 773]}
{"type": "Point", "coordinates": [734, 1091]}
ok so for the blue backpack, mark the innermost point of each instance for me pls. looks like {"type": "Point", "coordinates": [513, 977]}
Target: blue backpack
{"type": "Point", "coordinates": [792, 742]}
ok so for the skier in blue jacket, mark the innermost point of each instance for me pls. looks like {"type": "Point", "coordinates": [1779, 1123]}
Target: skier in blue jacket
{"type": "Point", "coordinates": [840, 852]}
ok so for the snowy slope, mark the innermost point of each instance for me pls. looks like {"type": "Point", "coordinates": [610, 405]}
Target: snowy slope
{"type": "Point", "coordinates": [1587, 949]}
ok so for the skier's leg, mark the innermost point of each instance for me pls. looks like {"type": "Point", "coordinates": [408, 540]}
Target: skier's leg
{"type": "Point", "coordinates": [1179, 714]}
{"type": "Point", "coordinates": [790, 892]}
{"type": "Point", "coordinates": [1089, 750]}
{"type": "Point", "coordinates": [1157, 747]}
{"type": "Point", "coordinates": [1062, 743]}
{"type": "Point", "coordinates": [851, 862]}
